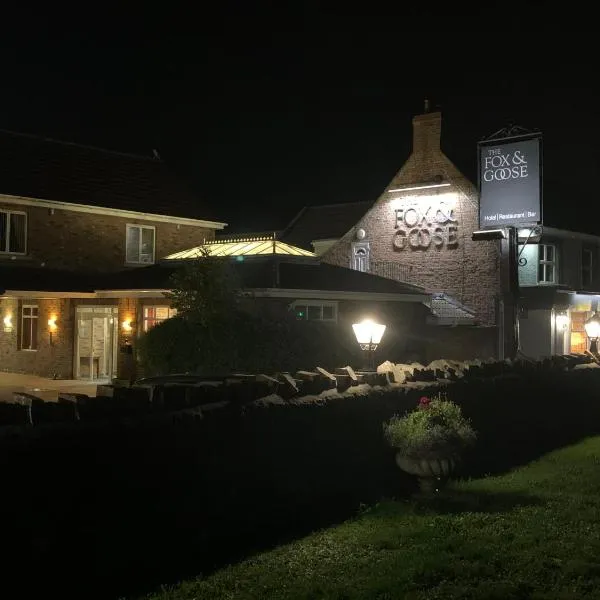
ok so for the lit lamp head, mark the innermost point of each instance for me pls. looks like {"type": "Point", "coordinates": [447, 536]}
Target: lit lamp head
{"type": "Point", "coordinates": [7, 322]}
{"type": "Point", "coordinates": [127, 326]}
{"type": "Point", "coordinates": [52, 323]}
{"type": "Point", "coordinates": [368, 335]}
{"type": "Point", "coordinates": [592, 330]}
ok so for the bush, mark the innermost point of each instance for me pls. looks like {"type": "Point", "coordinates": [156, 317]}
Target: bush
{"type": "Point", "coordinates": [435, 429]}
{"type": "Point", "coordinates": [239, 342]}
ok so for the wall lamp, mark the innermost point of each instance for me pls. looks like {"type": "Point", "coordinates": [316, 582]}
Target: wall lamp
{"type": "Point", "coordinates": [424, 186]}
{"type": "Point", "coordinates": [52, 327]}
{"type": "Point", "coordinates": [8, 323]}
{"type": "Point", "coordinates": [127, 326]}
{"type": "Point", "coordinates": [489, 234]}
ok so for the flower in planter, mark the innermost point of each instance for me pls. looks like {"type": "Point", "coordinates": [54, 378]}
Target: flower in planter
{"type": "Point", "coordinates": [429, 440]}
{"type": "Point", "coordinates": [424, 402]}
{"type": "Point", "coordinates": [437, 429]}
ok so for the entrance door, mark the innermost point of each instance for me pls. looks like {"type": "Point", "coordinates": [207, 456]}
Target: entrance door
{"type": "Point", "coordinates": [96, 342]}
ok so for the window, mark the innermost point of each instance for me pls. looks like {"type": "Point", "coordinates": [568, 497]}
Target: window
{"type": "Point", "coordinates": [13, 232]}
{"type": "Point", "coordinates": [587, 261]}
{"type": "Point", "coordinates": [153, 315]}
{"type": "Point", "coordinates": [29, 327]}
{"type": "Point", "coordinates": [547, 264]}
{"type": "Point", "coordinates": [315, 310]}
{"type": "Point", "coordinates": [139, 244]}
{"type": "Point", "coordinates": [360, 256]}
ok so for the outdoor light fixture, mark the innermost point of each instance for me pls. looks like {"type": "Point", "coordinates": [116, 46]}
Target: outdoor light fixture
{"type": "Point", "coordinates": [8, 323]}
{"type": "Point", "coordinates": [489, 234]}
{"type": "Point", "coordinates": [425, 186]}
{"type": "Point", "coordinates": [127, 327]}
{"type": "Point", "coordinates": [592, 330]}
{"type": "Point", "coordinates": [51, 328]}
{"type": "Point", "coordinates": [368, 335]}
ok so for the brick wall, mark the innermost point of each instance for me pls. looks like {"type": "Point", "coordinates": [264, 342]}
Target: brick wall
{"type": "Point", "coordinates": [54, 356]}
{"type": "Point", "coordinates": [429, 230]}
{"type": "Point", "coordinates": [75, 240]}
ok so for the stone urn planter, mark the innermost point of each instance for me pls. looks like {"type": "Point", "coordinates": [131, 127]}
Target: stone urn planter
{"type": "Point", "coordinates": [432, 473]}
{"type": "Point", "coordinates": [429, 440]}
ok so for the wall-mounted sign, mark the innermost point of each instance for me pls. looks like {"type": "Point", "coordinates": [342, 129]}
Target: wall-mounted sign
{"type": "Point", "coordinates": [425, 223]}
{"type": "Point", "coordinates": [510, 182]}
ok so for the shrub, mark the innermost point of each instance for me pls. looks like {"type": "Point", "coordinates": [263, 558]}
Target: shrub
{"type": "Point", "coordinates": [435, 429]}
{"type": "Point", "coordinates": [239, 341]}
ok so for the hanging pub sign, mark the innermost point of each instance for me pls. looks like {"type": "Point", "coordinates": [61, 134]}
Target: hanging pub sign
{"type": "Point", "coordinates": [510, 181]}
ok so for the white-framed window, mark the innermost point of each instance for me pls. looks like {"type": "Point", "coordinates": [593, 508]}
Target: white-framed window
{"type": "Point", "coordinates": [29, 327]}
{"type": "Point", "coordinates": [13, 232]}
{"type": "Point", "coordinates": [360, 256]}
{"type": "Point", "coordinates": [315, 310]}
{"type": "Point", "coordinates": [587, 264]}
{"type": "Point", "coordinates": [153, 315]}
{"type": "Point", "coordinates": [139, 244]}
{"type": "Point", "coordinates": [547, 264]}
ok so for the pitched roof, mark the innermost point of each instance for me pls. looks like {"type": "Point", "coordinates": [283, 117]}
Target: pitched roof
{"type": "Point", "coordinates": [45, 169]}
{"type": "Point", "coordinates": [258, 272]}
{"type": "Point", "coordinates": [330, 221]}
{"type": "Point", "coordinates": [43, 279]}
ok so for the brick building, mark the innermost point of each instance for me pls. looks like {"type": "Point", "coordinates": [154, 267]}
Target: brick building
{"type": "Point", "coordinates": [419, 231]}
{"type": "Point", "coordinates": [68, 212]}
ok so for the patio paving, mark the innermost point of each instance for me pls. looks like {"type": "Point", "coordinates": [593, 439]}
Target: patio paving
{"type": "Point", "coordinates": [42, 387]}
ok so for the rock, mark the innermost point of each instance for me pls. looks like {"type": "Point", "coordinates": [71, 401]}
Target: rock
{"type": "Point", "coordinates": [349, 371]}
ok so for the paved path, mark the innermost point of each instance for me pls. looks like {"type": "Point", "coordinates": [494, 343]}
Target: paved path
{"type": "Point", "coordinates": [40, 386]}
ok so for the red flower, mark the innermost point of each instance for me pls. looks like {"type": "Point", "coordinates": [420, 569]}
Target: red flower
{"type": "Point", "coordinates": [424, 401]}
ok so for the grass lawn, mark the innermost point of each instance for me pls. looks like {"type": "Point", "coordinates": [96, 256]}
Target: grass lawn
{"type": "Point", "coordinates": [534, 533]}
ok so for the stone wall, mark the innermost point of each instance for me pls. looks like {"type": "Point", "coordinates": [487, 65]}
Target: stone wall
{"type": "Point", "coordinates": [65, 239]}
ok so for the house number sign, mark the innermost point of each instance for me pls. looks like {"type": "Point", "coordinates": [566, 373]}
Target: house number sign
{"type": "Point", "coordinates": [420, 226]}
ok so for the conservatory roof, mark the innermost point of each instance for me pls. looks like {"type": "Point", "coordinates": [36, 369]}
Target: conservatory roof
{"type": "Point", "coordinates": [250, 246]}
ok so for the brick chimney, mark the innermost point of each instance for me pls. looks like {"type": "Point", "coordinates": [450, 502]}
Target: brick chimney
{"type": "Point", "coordinates": [427, 129]}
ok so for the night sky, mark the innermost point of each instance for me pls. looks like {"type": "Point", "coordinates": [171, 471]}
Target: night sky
{"type": "Point", "coordinates": [265, 108]}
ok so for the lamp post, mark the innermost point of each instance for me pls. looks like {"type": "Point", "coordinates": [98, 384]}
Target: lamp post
{"type": "Point", "coordinates": [592, 330]}
{"type": "Point", "coordinates": [368, 335]}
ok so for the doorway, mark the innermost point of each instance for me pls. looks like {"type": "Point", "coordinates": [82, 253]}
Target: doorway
{"type": "Point", "coordinates": [96, 343]}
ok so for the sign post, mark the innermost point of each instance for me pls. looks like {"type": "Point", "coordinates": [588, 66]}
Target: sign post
{"type": "Point", "coordinates": [510, 196]}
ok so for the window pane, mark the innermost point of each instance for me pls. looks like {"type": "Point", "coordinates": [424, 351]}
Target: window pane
{"type": "Point", "coordinates": [549, 253]}
{"type": "Point", "coordinates": [26, 334]}
{"type": "Point", "coordinates": [147, 252]}
{"type": "Point", "coordinates": [133, 244]}
{"type": "Point", "coordinates": [16, 242]}
{"type": "Point", "coordinates": [541, 272]}
{"type": "Point", "coordinates": [3, 232]}
{"type": "Point", "coordinates": [550, 273]}
{"type": "Point", "coordinates": [34, 311]}
{"type": "Point", "coordinates": [34, 328]}
{"type": "Point", "coordinates": [162, 312]}
{"type": "Point", "coordinates": [328, 314]}
{"type": "Point", "coordinates": [314, 313]}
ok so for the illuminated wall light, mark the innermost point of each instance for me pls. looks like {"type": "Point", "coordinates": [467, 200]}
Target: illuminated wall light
{"type": "Point", "coordinates": [52, 323]}
{"type": "Point", "coordinates": [127, 326]}
{"type": "Point", "coordinates": [420, 187]}
{"type": "Point", "coordinates": [7, 322]}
